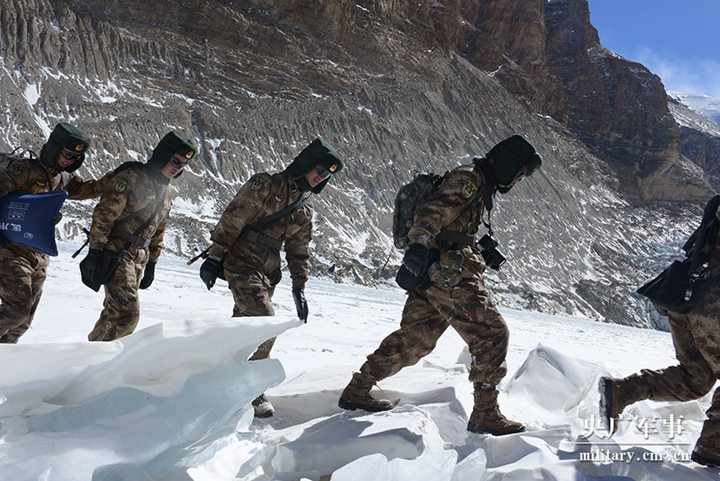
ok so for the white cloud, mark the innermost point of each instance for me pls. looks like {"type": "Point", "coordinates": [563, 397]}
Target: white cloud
{"type": "Point", "coordinates": [697, 76]}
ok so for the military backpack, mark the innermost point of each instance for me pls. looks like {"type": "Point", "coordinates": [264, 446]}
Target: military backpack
{"type": "Point", "coordinates": [408, 198]}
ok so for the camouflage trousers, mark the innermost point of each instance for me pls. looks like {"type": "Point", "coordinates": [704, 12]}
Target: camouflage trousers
{"type": "Point", "coordinates": [427, 314]}
{"type": "Point", "coordinates": [696, 337]}
{"type": "Point", "coordinates": [252, 293]}
{"type": "Point", "coordinates": [21, 286]}
{"type": "Point", "coordinates": [121, 307]}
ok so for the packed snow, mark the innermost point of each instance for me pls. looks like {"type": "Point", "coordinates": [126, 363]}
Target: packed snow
{"type": "Point", "coordinates": [172, 401]}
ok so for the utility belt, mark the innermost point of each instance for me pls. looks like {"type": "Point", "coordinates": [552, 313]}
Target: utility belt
{"type": "Point", "coordinates": [132, 239]}
{"type": "Point", "coordinates": [259, 238]}
{"type": "Point", "coordinates": [455, 239]}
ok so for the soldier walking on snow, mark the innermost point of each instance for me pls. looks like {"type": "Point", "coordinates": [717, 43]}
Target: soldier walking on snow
{"type": "Point", "coordinates": [24, 268]}
{"type": "Point", "coordinates": [695, 328]}
{"type": "Point", "coordinates": [442, 272]}
{"type": "Point", "coordinates": [126, 236]}
{"type": "Point", "coordinates": [268, 211]}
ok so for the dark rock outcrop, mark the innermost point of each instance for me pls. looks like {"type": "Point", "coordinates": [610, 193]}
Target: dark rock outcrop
{"type": "Point", "coordinates": [394, 85]}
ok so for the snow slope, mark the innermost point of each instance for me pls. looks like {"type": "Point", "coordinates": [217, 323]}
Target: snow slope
{"type": "Point", "coordinates": [171, 402]}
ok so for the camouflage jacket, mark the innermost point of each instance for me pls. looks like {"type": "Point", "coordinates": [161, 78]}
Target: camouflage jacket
{"type": "Point", "coordinates": [457, 206]}
{"type": "Point", "coordinates": [130, 195]}
{"type": "Point", "coordinates": [260, 197]}
{"type": "Point", "coordinates": [455, 209]}
{"type": "Point", "coordinates": [21, 174]}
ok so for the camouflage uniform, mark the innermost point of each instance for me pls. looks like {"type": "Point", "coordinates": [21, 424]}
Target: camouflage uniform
{"type": "Point", "coordinates": [252, 260]}
{"type": "Point", "coordinates": [133, 188]}
{"type": "Point", "coordinates": [457, 296]}
{"type": "Point", "coordinates": [24, 268]}
{"type": "Point", "coordinates": [442, 272]}
{"type": "Point", "coordinates": [696, 337]}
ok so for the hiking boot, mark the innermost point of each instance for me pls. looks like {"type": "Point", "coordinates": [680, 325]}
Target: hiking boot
{"type": "Point", "coordinates": [486, 417]}
{"type": "Point", "coordinates": [357, 396]}
{"type": "Point", "coordinates": [610, 405]}
{"type": "Point", "coordinates": [616, 395]}
{"type": "Point", "coordinates": [263, 408]}
{"type": "Point", "coordinates": [706, 460]}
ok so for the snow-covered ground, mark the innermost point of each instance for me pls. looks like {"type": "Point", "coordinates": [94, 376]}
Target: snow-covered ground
{"type": "Point", "coordinates": [171, 402]}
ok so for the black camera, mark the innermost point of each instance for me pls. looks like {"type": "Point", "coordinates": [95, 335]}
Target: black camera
{"type": "Point", "coordinates": [488, 248]}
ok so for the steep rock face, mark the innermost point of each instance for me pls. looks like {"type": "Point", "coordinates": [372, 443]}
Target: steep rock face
{"type": "Point", "coordinates": [699, 140]}
{"type": "Point", "coordinates": [382, 81]}
{"type": "Point", "coordinates": [619, 109]}
{"type": "Point", "coordinates": [550, 57]}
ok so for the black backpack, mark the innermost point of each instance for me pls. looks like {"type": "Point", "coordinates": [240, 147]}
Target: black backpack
{"type": "Point", "coordinates": [408, 198]}
{"type": "Point", "coordinates": [678, 287]}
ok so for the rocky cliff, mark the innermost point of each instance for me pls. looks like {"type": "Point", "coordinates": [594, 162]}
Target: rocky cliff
{"type": "Point", "coordinates": [395, 86]}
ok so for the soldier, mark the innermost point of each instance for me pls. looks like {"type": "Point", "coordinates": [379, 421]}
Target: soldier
{"type": "Point", "coordinates": [268, 211]}
{"type": "Point", "coordinates": [60, 157]}
{"type": "Point", "coordinates": [442, 271]}
{"type": "Point", "coordinates": [126, 235]}
{"type": "Point", "coordinates": [696, 337]}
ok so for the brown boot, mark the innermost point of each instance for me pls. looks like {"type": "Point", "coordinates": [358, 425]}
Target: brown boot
{"type": "Point", "coordinates": [616, 395]}
{"type": "Point", "coordinates": [486, 416]}
{"type": "Point", "coordinates": [707, 447]}
{"type": "Point", "coordinates": [357, 395]}
{"type": "Point", "coordinates": [263, 408]}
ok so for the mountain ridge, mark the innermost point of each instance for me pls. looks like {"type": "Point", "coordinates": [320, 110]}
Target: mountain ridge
{"type": "Point", "coordinates": [394, 87]}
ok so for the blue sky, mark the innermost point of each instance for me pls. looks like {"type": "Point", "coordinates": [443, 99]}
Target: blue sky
{"type": "Point", "coordinates": [679, 40]}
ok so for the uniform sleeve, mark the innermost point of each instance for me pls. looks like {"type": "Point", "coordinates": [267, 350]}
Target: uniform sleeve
{"type": "Point", "coordinates": [157, 240]}
{"type": "Point", "coordinates": [81, 189]}
{"type": "Point", "coordinates": [454, 196]}
{"type": "Point", "coordinates": [247, 206]}
{"type": "Point", "coordinates": [13, 177]}
{"type": "Point", "coordinates": [106, 213]}
{"type": "Point", "coordinates": [297, 253]}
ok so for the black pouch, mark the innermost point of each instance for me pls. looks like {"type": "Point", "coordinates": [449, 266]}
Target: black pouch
{"type": "Point", "coordinates": [668, 290]}
{"type": "Point", "coordinates": [95, 274]}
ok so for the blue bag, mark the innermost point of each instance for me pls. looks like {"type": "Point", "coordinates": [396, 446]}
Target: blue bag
{"type": "Point", "coordinates": [29, 219]}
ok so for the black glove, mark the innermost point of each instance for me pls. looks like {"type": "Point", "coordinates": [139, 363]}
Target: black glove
{"type": "Point", "coordinates": [300, 303]}
{"type": "Point", "coordinates": [149, 275]}
{"type": "Point", "coordinates": [210, 270]}
{"type": "Point", "coordinates": [413, 271]}
{"type": "Point", "coordinates": [90, 268]}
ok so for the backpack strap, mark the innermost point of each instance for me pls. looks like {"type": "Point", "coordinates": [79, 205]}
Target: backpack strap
{"type": "Point", "coordinates": [252, 234]}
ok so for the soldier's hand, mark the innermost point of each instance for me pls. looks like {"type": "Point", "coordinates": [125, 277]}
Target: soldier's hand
{"type": "Point", "coordinates": [300, 303]}
{"type": "Point", "coordinates": [148, 276]}
{"type": "Point", "coordinates": [90, 269]}
{"type": "Point", "coordinates": [417, 259]}
{"type": "Point", "coordinates": [413, 271]}
{"type": "Point", "coordinates": [210, 270]}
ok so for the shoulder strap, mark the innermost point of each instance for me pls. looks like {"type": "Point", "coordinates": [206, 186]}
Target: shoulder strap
{"type": "Point", "coordinates": [700, 242]}
{"type": "Point", "coordinates": [156, 208]}
{"type": "Point", "coordinates": [302, 201]}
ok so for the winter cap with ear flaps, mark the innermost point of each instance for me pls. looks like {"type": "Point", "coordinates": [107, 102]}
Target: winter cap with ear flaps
{"type": "Point", "coordinates": [65, 136]}
{"type": "Point", "coordinates": [173, 143]}
{"type": "Point", "coordinates": [511, 155]}
{"type": "Point", "coordinates": [316, 153]}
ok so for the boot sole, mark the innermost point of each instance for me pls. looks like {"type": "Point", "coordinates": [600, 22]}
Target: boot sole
{"type": "Point", "coordinates": [351, 406]}
{"type": "Point", "coordinates": [605, 407]}
{"type": "Point", "coordinates": [477, 430]}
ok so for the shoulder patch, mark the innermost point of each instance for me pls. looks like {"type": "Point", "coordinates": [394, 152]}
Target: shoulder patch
{"type": "Point", "coordinates": [121, 185]}
{"type": "Point", "coordinates": [468, 189]}
{"type": "Point", "coordinates": [15, 169]}
{"type": "Point", "coordinates": [257, 183]}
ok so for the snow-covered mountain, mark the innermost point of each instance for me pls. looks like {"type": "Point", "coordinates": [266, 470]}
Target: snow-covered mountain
{"type": "Point", "coordinates": [395, 87]}
{"type": "Point", "coordinates": [705, 105]}
{"type": "Point", "coordinates": [172, 401]}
